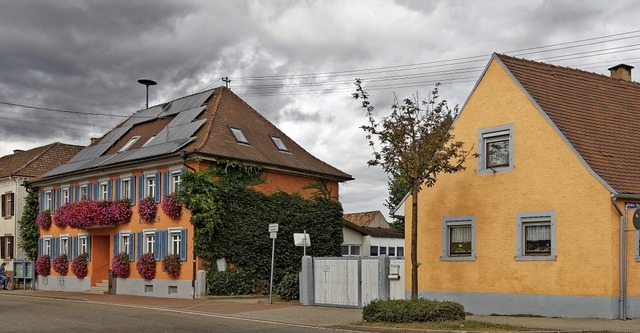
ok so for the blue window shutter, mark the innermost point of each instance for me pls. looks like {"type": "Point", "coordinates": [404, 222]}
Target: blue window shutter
{"type": "Point", "coordinates": [40, 246]}
{"type": "Point", "coordinates": [58, 197]}
{"type": "Point", "coordinates": [140, 244]}
{"type": "Point", "coordinates": [115, 244]}
{"type": "Point", "coordinates": [75, 247]}
{"type": "Point", "coordinates": [57, 247]}
{"type": "Point", "coordinates": [157, 194]}
{"type": "Point", "coordinates": [76, 197]}
{"type": "Point", "coordinates": [89, 191]}
{"type": "Point", "coordinates": [165, 243]}
{"type": "Point", "coordinates": [41, 201]}
{"type": "Point", "coordinates": [165, 183]}
{"type": "Point", "coordinates": [109, 189]}
{"type": "Point", "coordinates": [132, 238]}
{"type": "Point", "coordinates": [132, 189]}
{"type": "Point", "coordinates": [156, 246]}
{"type": "Point", "coordinates": [183, 244]}
{"type": "Point", "coordinates": [141, 187]}
{"type": "Point", "coordinates": [117, 189]}
{"type": "Point", "coordinates": [96, 191]}
{"type": "Point", "coordinates": [88, 248]}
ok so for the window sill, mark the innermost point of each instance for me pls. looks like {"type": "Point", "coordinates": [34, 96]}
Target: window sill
{"type": "Point", "coordinates": [536, 258]}
{"type": "Point", "coordinates": [495, 170]}
{"type": "Point", "coordinates": [470, 258]}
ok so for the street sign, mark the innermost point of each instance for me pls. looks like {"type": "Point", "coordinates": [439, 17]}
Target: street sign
{"type": "Point", "coordinates": [273, 227]}
{"type": "Point", "coordinates": [273, 235]}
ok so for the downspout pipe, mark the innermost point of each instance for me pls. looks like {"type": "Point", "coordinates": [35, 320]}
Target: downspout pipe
{"type": "Point", "coordinates": [622, 299]}
{"type": "Point", "coordinates": [184, 156]}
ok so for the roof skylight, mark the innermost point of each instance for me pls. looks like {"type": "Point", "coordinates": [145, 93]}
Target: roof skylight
{"type": "Point", "coordinates": [130, 143]}
{"type": "Point", "coordinates": [278, 142]}
{"type": "Point", "coordinates": [237, 133]}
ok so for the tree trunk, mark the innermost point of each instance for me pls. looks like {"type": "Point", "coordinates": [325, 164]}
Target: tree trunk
{"type": "Point", "coordinates": [414, 239]}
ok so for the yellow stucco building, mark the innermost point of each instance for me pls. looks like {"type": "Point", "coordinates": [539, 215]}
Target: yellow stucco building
{"type": "Point", "coordinates": [537, 224]}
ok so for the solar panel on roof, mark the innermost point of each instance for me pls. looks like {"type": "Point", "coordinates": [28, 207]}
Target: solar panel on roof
{"type": "Point", "coordinates": [144, 115]}
{"type": "Point", "coordinates": [186, 103]}
{"type": "Point", "coordinates": [186, 117]}
{"type": "Point", "coordinates": [92, 151]}
{"type": "Point", "coordinates": [116, 134]}
{"type": "Point", "coordinates": [183, 131]}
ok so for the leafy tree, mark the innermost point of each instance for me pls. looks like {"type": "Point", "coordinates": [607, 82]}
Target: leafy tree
{"type": "Point", "coordinates": [398, 186]}
{"type": "Point", "coordinates": [415, 142]}
{"type": "Point", "coordinates": [29, 231]}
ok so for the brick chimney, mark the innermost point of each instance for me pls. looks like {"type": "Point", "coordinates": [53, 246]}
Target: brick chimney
{"type": "Point", "coordinates": [15, 151]}
{"type": "Point", "coordinates": [93, 140]}
{"type": "Point", "coordinates": [621, 72]}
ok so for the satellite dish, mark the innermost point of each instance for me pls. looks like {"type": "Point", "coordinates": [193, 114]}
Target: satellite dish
{"type": "Point", "coordinates": [636, 219]}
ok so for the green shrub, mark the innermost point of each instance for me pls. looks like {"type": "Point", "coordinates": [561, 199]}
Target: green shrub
{"type": "Point", "coordinates": [289, 288]}
{"type": "Point", "coordinates": [406, 311]}
{"type": "Point", "coordinates": [231, 282]}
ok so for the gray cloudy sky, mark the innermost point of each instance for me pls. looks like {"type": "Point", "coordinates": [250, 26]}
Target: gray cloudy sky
{"type": "Point", "coordinates": [293, 61]}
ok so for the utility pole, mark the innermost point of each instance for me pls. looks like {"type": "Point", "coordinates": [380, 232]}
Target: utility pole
{"type": "Point", "coordinates": [226, 81]}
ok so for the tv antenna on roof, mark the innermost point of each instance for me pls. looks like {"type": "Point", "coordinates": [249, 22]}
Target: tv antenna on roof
{"type": "Point", "coordinates": [147, 82]}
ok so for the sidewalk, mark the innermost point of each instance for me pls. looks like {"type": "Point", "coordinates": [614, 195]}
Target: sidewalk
{"type": "Point", "coordinates": [293, 313]}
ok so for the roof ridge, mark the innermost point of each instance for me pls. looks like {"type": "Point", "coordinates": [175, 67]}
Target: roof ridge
{"type": "Point", "coordinates": [582, 71]}
{"type": "Point", "coordinates": [214, 112]}
{"type": "Point", "coordinates": [49, 146]}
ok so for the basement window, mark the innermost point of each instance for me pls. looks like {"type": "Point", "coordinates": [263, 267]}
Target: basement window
{"type": "Point", "coordinates": [278, 142]}
{"type": "Point", "coordinates": [130, 143]}
{"type": "Point", "coordinates": [237, 133]}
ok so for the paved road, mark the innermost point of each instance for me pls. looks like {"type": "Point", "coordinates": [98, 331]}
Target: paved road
{"type": "Point", "coordinates": [26, 314]}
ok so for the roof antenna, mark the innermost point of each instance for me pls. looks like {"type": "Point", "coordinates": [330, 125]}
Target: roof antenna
{"type": "Point", "coordinates": [226, 81]}
{"type": "Point", "coordinates": [147, 82]}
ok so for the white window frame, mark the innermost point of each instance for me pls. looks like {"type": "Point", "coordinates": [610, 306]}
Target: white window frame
{"type": "Point", "coordinates": [83, 242]}
{"type": "Point", "coordinates": [84, 192]}
{"type": "Point", "coordinates": [65, 195]}
{"type": "Point", "coordinates": [377, 250]}
{"type": "Point", "coordinates": [350, 248]}
{"type": "Point", "coordinates": [279, 143]}
{"type": "Point", "coordinates": [47, 242]}
{"type": "Point", "coordinates": [65, 245]}
{"type": "Point", "coordinates": [457, 221]}
{"type": "Point", "coordinates": [174, 239]}
{"type": "Point", "coordinates": [48, 200]}
{"type": "Point", "coordinates": [124, 243]}
{"type": "Point", "coordinates": [176, 181]}
{"type": "Point", "coordinates": [486, 135]}
{"type": "Point", "coordinates": [125, 188]}
{"type": "Point", "coordinates": [129, 143]}
{"type": "Point", "coordinates": [534, 218]}
{"type": "Point", "coordinates": [239, 135]}
{"type": "Point", "coordinates": [104, 191]}
{"type": "Point", "coordinates": [150, 185]}
{"type": "Point", "coordinates": [149, 241]}
{"type": "Point", "coordinates": [398, 252]}
{"type": "Point", "coordinates": [149, 141]}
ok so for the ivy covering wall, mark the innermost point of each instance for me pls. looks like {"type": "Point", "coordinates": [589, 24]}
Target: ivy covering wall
{"type": "Point", "coordinates": [231, 221]}
{"type": "Point", "coordinates": [29, 231]}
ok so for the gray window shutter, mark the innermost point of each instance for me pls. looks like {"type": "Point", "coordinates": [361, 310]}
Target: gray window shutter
{"type": "Point", "coordinates": [115, 244]}
{"type": "Point", "coordinates": [183, 244]}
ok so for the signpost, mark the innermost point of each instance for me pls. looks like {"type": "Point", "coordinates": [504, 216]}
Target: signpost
{"type": "Point", "coordinates": [273, 233]}
{"type": "Point", "coordinates": [302, 240]}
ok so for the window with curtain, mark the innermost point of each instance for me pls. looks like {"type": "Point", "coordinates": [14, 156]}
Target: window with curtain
{"type": "Point", "coordinates": [458, 238]}
{"type": "Point", "coordinates": [537, 239]}
{"type": "Point", "coordinates": [536, 236]}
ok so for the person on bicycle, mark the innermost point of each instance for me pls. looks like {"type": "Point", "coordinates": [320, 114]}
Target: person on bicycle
{"type": "Point", "coordinates": [3, 277]}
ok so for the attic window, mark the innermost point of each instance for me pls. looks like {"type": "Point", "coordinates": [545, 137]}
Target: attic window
{"type": "Point", "coordinates": [130, 143]}
{"type": "Point", "coordinates": [278, 142]}
{"type": "Point", "coordinates": [149, 141]}
{"type": "Point", "coordinates": [237, 133]}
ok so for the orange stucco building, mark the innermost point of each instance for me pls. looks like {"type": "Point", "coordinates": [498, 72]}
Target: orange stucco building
{"type": "Point", "coordinates": [539, 223]}
{"type": "Point", "coordinates": [146, 156]}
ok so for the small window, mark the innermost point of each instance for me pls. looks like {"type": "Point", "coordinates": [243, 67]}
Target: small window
{"type": "Point", "coordinates": [104, 191]}
{"type": "Point", "coordinates": [458, 238]}
{"type": "Point", "coordinates": [373, 251]}
{"type": "Point", "coordinates": [495, 147]}
{"type": "Point", "coordinates": [130, 143]}
{"type": "Point", "coordinates": [383, 250]}
{"type": "Point", "coordinates": [65, 196]}
{"type": "Point", "coordinates": [174, 242]}
{"type": "Point", "coordinates": [536, 236]}
{"type": "Point", "coordinates": [48, 200]}
{"type": "Point", "coordinates": [125, 188]}
{"type": "Point", "coordinates": [237, 133]}
{"type": "Point", "coordinates": [176, 181]}
{"type": "Point", "coordinates": [400, 251]}
{"type": "Point", "coordinates": [83, 243]}
{"type": "Point", "coordinates": [64, 245]}
{"type": "Point", "coordinates": [6, 247]}
{"type": "Point", "coordinates": [279, 144]}
{"type": "Point", "coordinates": [350, 250]}
{"type": "Point", "coordinates": [149, 241]}
{"type": "Point", "coordinates": [46, 246]}
{"type": "Point", "coordinates": [84, 192]}
{"type": "Point", "coordinates": [392, 251]}
{"type": "Point", "coordinates": [125, 244]}
{"type": "Point", "coordinates": [151, 186]}
{"type": "Point", "coordinates": [149, 141]}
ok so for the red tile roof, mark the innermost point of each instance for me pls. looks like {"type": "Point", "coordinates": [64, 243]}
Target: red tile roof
{"type": "Point", "coordinates": [34, 162]}
{"type": "Point", "coordinates": [594, 112]}
{"type": "Point", "coordinates": [362, 219]}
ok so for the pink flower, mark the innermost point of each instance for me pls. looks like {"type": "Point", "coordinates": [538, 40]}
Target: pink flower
{"type": "Point", "coordinates": [147, 266]}
{"type": "Point", "coordinates": [172, 206]}
{"type": "Point", "coordinates": [88, 213]}
{"type": "Point", "coordinates": [43, 220]}
{"type": "Point", "coordinates": [79, 266]}
{"type": "Point", "coordinates": [120, 265]}
{"type": "Point", "coordinates": [43, 265]}
{"type": "Point", "coordinates": [171, 264]}
{"type": "Point", "coordinates": [61, 264]}
{"type": "Point", "coordinates": [147, 209]}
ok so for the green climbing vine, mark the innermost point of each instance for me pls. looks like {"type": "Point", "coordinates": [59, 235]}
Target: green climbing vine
{"type": "Point", "coordinates": [29, 231]}
{"type": "Point", "coordinates": [231, 221]}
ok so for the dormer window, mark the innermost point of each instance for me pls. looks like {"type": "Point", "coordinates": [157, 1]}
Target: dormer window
{"type": "Point", "coordinates": [130, 143]}
{"type": "Point", "coordinates": [278, 142]}
{"type": "Point", "coordinates": [237, 133]}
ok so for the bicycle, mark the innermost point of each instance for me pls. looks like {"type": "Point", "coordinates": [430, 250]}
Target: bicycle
{"type": "Point", "coordinates": [9, 283]}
